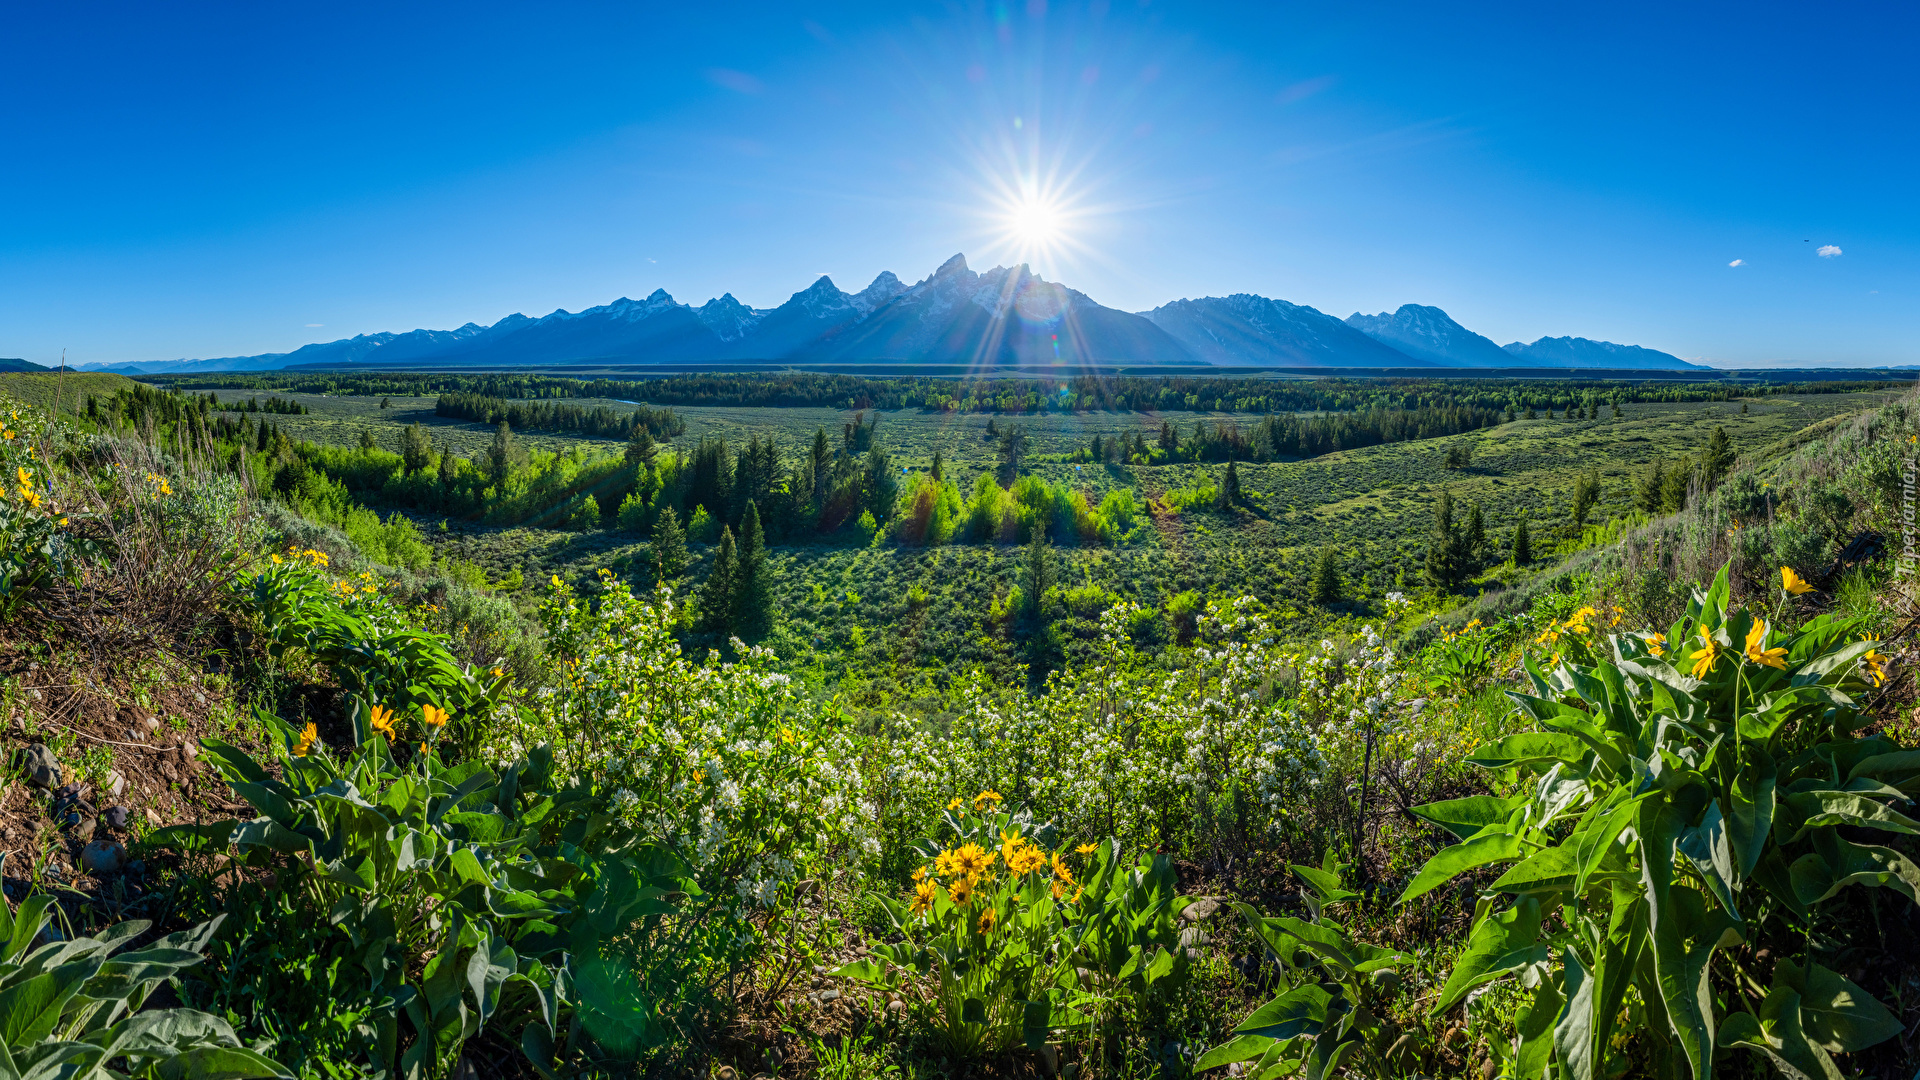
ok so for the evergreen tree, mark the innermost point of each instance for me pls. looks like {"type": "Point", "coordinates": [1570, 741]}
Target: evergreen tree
{"type": "Point", "coordinates": [1013, 447]}
{"type": "Point", "coordinates": [1097, 451]}
{"type": "Point", "coordinates": [821, 454]}
{"type": "Point", "coordinates": [1674, 487]}
{"type": "Point", "coordinates": [1586, 492]}
{"type": "Point", "coordinates": [1473, 541]}
{"type": "Point", "coordinates": [1038, 575]}
{"type": "Point", "coordinates": [1616, 410]}
{"type": "Point", "coordinates": [1325, 586]}
{"type": "Point", "coordinates": [640, 446]}
{"type": "Point", "coordinates": [938, 472]}
{"type": "Point", "coordinates": [1445, 550]}
{"type": "Point", "coordinates": [669, 546]}
{"type": "Point", "coordinates": [415, 450]}
{"type": "Point", "coordinates": [883, 486]}
{"type": "Point", "coordinates": [716, 594]}
{"type": "Point", "coordinates": [449, 468]}
{"type": "Point", "coordinates": [366, 439]}
{"type": "Point", "coordinates": [1169, 438]}
{"type": "Point", "coordinates": [1646, 493]}
{"type": "Point", "coordinates": [752, 593]}
{"type": "Point", "coordinates": [1522, 544]}
{"type": "Point", "coordinates": [501, 453]}
{"type": "Point", "coordinates": [1717, 460]}
{"type": "Point", "coordinates": [1230, 488]}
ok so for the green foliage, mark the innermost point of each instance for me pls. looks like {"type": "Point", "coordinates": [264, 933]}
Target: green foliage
{"type": "Point", "coordinates": [75, 1007]}
{"type": "Point", "coordinates": [1671, 810]}
{"type": "Point", "coordinates": [555, 416]}
{"type": "Point", "coordinates": [669, 550]}
{"type": "Point", "coordinates": [1326, 584]}
{"type": "Point", "coordinates": [465, 866]}
{"type": "Point", "coordinates": [1034, 952]}
{"type": "Point", "coordinates": [1330, 1016]}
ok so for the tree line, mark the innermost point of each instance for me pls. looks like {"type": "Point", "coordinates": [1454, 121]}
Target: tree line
{"type": "Point", "coordinates": [598, 421]}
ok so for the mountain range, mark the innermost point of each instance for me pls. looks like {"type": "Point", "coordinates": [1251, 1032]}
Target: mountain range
{"type": "Point", "coordinates": [1006, 317]}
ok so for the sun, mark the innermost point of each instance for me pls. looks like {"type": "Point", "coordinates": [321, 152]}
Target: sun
{"type": "Point", "coordinates": [1035, 223]}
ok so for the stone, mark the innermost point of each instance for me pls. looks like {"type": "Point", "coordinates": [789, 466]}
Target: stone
{"type": "Point", "coordinates": [725, 1072]}
{"type": "Point", "coordinates": [189, 750]}
{"type": "Point", "coordinates": [153, 817]}
{"type": "Point", "coordinates": [1050, 1059]}
{"type": "Point", "coordinates": [116, 784]}
{"type": "Point", "coordinates": [103, 857]}
{"type": "Point", "coordinates": [116, 817]}
{"type": "Point", "coordinates": [1200, 910]}
{"type": "Point", "coordinates": [829, 995]}
{"type": "Point", "coordinates": [896, 1009]}
{"type": "Point", "coordinates": [41, 767]}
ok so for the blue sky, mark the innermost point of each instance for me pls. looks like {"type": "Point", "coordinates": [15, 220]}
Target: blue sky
{"type": "Point", "coordinates": [232, 179]}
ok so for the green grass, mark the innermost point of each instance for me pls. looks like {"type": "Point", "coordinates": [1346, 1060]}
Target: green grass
{"type": "Point", "coordinates": [71, 388]}
{"type": "Point", "coordinates": [897, 614]}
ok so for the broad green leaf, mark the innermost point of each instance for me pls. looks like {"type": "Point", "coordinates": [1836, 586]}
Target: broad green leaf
{"type": "Point", "coordinates": [1548, 870]}
{"type": "Point", "coordinates": [1536, 1031]}
{"type": "Point", "coordinates": [1705, 845]}
{"type": "Point", "coordinates": [1836, 863]}
{"type": "Point", "coordinates": [1530, 748]}
{"type": "Point", "coordinates": [1450, 862]}
{"type": "Point", "coordinates": [1466, 817]}
{"type": "Point", "coordinates": [467, 865]}
{"type": "Point", "coordinates": [1573, 1035]}
{"type": "Point", "coordinates": [1812, 809]}
{"type": "Point", "coordinates": [1900, 768]}
{"type": "Point", "coordinates": [1751, 818]}
{"type": "Point", "coordinates": [1237, 1049]}
{"type": "Point", "coordinates": [1777, 1033]}
{"type": "Point", "coordinates": [1325, 884]}
{"type": "Point", "coordinates": [1501, 943]}
{"type": "Point", "coordinates": [1300, 1011]}
{"type": "Point", "coordinates": [1834, 1013]}
{"type": "Point", "coordinates": [1683, 935]}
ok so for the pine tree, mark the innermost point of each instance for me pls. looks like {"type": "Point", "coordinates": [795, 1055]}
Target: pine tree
{"type": "Point", "coordinates": [752, 595]}
{"type": "Point", "coordinates": [820, 455]}
{"type": "Point", "coordinates": [1586, 492]}
{"type": "Point", "coordinates": [415, 450]}
{"type": "Point", "coordinates": [366, 439]}
{"type": "Point", "coordinates": [669, 546]}
{"type": "Point", "coordinates": [1444, 554]}
{"type": "Point", "coordinates": [1473, 542]}
{"type": "Point", "coordinates": [1616, 410]}
{"type": "Point", "coordinates": [1674, 487]}
{"type": "Point", "coordinates": [938, 472]}
{"type": "Point", "coordinates": [1718, 458]}
{"type": "Point", "coordinates": [1522, 544]}
{"type": "Point", "coordinates": [1325, 586]}
{"type": "Point", "coordinates": [640, 446]}
{"type": "Point", "coordinates": [1646, 494]}
{"type": "Point", "coordinates": [716, 594]}
{"type": "Point", "coordinates": [449, 468]}
{"type": "Point", "coordinates": [500, 454]}
{"type": "Point", "coordinates": [1230, 488]}
{"type": "Point", "coordinates": [1039, 575]}
{"type": "Point", "coordinates": [1097, 451]}
{"type": "Point", "coordinates": [1013, 447]}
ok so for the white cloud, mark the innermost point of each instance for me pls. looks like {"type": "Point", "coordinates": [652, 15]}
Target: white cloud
{"type": "Point", "coordinates": [738, 81]}
{"type": "Point", "coordinates": [315, 325]}
{"type": "Point", "coordinates": [1827, 251]}
{"type": "Point", "coordinates": [1738, 262]}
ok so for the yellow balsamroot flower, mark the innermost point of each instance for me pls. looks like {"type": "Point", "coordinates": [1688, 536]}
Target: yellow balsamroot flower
{"type": "Point", "coordinates": [1086, 849]}
{"type": "Point", "coordinates": [1791, 582]}
{"type": "Point", "coordinates": [1703, 660]}
{"type": "Point", "coordinates": [919, 873]}
{"type": "Point", "coordinates": [435, 717]}
{"type": "Point", "coordinates": [1876, 666]}
{"type": "Point", "coordinates": [1657, 644]}
{"type": "Point", "coordinates": [961, 891]}
{"type": "Point", "coordinates": [972, 860]}
{"type": "Point", "coordinates": [499, 673]}
{"type": "Point", "coordinates": [980, 801]}
{"type": "Point", "coordinates": [307, 738]}
{"type": "Point", "coordinates": [946, 864]}
{"type": "Point", "coordinates": [26, 476]}
{"type": "Point", "coordinates": [956, 803]}
{"type": "Point", "coordinates": [923, 895]}
{"type": "Point", "coordinates": [986, 921]}
{"type": "Point", "coordinates": [30, 497]}
{"type": "Point", "coordinates": [382, 721]}
{"type": "Point", "coordinates": [1757, 650]}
